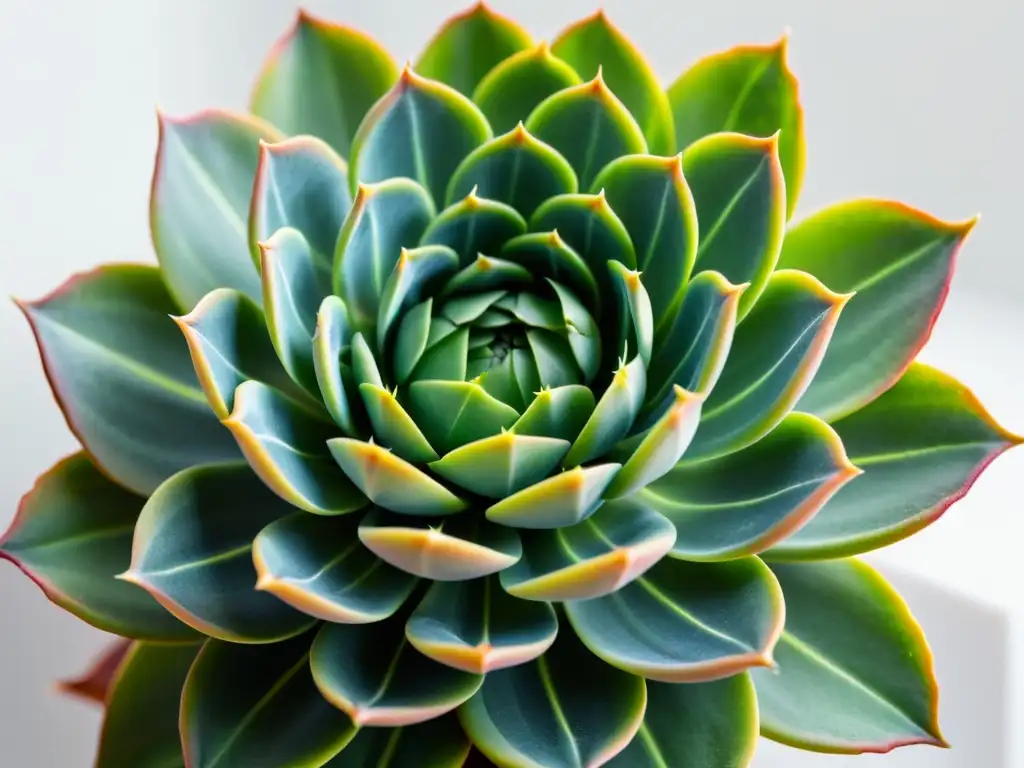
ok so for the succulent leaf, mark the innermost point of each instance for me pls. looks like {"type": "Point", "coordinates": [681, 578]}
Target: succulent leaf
{"type": "Point", "coordinates": [247, 705]}
{"type": "Point", "coordinates": [749, 89]}
{"type": "Point", "coordinates": [417, 273]}
{"type": "Point", "coordinates": [614, 415]}
{"type": "Point", "coordinates": [855, 672]}
{"type": "Point", "coordinates": [321, 79]}
{"type": "Point", "coordinates": [71, 535]}
{"type": "Point", "coordinates": [667, 625]}
{"type": "Point", "coordinates": [486, 273]}
{"type": "Point", "coordinates": [560, 413]}
{"type": "Point", "coordinates": [545, 254]}
{"type": "Point", "coordinates": [94, 683]}
{"type": "Point", "coordinates": [122, 375]}
{"type": "Point", "coordinates": [318, 565]}
{"type": "Point", "coordinates": [899, 262]}
{"type": "Point", "coordinates": [332, 337]}
{"type": "Point", "coordinates": [501, 465]}
{"type": "Point", "coordinates": [560, 500]}
{"type": "Point", "coordinates": [393, 426]}
{"type": "Point", "coordinates": [454, 413]}
{"type": "Point", "coordinates": [190, 535]}
{"type": "Point", "coordinates": [473, 226]}
{"type": "Point", "coordinates": [636, 318]}
{"type": "Point", "coordinates": [437, 743]}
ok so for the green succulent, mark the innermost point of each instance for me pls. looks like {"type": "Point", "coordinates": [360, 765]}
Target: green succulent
{"type": "Point", "coordinates": [491, 411]}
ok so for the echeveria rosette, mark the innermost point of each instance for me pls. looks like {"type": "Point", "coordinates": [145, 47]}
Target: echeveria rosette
{"type": "Point", "coordinates": [491, 411]}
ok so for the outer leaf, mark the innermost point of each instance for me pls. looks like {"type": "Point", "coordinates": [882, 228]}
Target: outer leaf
{"type": "Point", "coordinates": [377, 678]}
{"type": "Point", "coordinates": [474, 226]}
{"type": "Point", "coordinates": [749, 89]}
{"type": "Point", "coordinates": [199, 206]}
{"type": "Point", "coordinates": [333, 334]}
{"type": "Point", "coordinates": [565, 726]}
{"type": "Point", "coordinates": [94, 683]}
{"type": "Point", "coordinates": [559, 412]}
{"type": "Point", "coordinates": [321, 79]}
{"type": "Point", "coordinates": [563, 499]}
{"type": "Point", "coordinates": [855, 673]}
{"type": "Point", "coordinates": [899, 262]}
{"type": "Point", "coordinates": [71, 535]}
{"type": "Point", "coordinates": [453, 413]}
{"type": "Point", "coordinates": [287, 448]}
{"type": "Point", "coordinates": [774, 356]}
{"type": "Point", "coordinates": [588, 125]}
{"type": "Point", "coordinates": [253, 705]}
{"type": "Point", "coordinates": [191, 535]}
{"type": "Point", "coordinates": [477, 626]}
{"type": "Point", "coordinates": [740, 193]}
{"type": "Point", "coordinates": [595, 44]}
{"type": "Point", "coordinates": [319, 566]}
{"type": "Point", "coordinates": [421, 130]}
{"type": "Point", "coordinates": [438, 743]}
{"type": "Point", "coordinates": [469, 45]}
{"type": "Point", "coordinates": [922, 445]}
{"type": "Point", "coordinates": [514, 88]}
{"type": "Point", "coordinates": [705, 725]}
{"type": "Point", "coordinates": [743, 503]}
{"type": "Point", "coordinates": [140, 726]}
{"type": "Point", "coordinates": [122, 376]}
{"type": "Point", "coordinates": [686, 622]}
{"type": "Point", "coordinates": [501, 465]}
{"type": "Point", "coordinates": [593, 558]}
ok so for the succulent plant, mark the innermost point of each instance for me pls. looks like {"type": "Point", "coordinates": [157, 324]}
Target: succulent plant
{"type": "Point", "coordinates": [492, 411]}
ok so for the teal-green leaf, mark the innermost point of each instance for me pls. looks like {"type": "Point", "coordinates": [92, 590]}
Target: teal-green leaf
{"type": "Point", "coordinates": [93, 683]}
{"type": "Point", "coordinates": [72, 535]}
{"type": "Point", "coordinates": [375, 676]}
{"type": "Point", "coordinates": [257, 705]}
{"type": "Point", "coordinates": [559, 412]}
{"type": "Point", "coordinates": [411, 339]}
{"type": "Point", "coordinates": [740, 194]}
{"type": "Point", "coordinates": [546, 254]}
{"type": "Point", "coordinates": [922, 445]}
{"type": "Point", "coordinates": [581, 331]}
{"type": "Point", "coordinates": [775, 354]}
{"type": "Point", "coordinates": [140, 725]}
{"type": "Point", "coordinates": [473, 226]}
{"type": "Point", "coordinates": [287, 448]}
{"type": "Point", "coordinates": [614, 415]}
{"type": "Point", "coordinates": [421, 129]}
{"type": "Point", "coordinates": [633, 310]}
{"type": "Point", "coordinates": [594, 557]}
{"type": "Point", "coordinates": [686, 622]}
{"type": "Point", "coordinates": [333, 334]}
{"type": "Point", "coordinates": [364, 364]}
{"type": "Point", "coordinates": [121, 373]}
{"type": "Point", "coordinates": [437, 743]}
{"type": "Point", "coordinates": [478, 627]}
{"type": "Point", "coordinates": [301, 183]}
{"type": "Point", "coordinates": [588, 126]}
{"type": "Point", "coordinates": [453, 413]}
{"type": "Point", "coordinates": [384, 219]}
{"type": "Point", "coordinates": [446, 360]}
{"type": "Point", "coordinates": [898, 262]}
{"type": "Point", "coordinates": [418, 273]}
{"type": "Point", "coordinates": [394, 427]}
{"type": "Point", "coordinates": [487, 273]}
{"type": "Point", "coordinates": [746, 502]}
{"type": "Point", "coordinates": [581, 711]}
{"type": "Point", "coordinates": [199, 207]}
{"type": "Point", "coordinates": [700, 725]}
{"type": "Point", "coordinates": [516, 169]}
{"type": "Point", "coordinates": [749, 89]}
{"type": "Point", "coordinates": [513, 89]}
{"type": "Point", "coordinates": [855, 672]}
{"type": "Point", "coordinates": [321, 79]}
{"type": "Point", "coordinates": [318, 565]}
{"type": "Point", "coordinates": [192, 551]}
{"type": "Point", "coordinates": [595, 45]}
{"type": "Point", "coordinates": [501, 465]}
{"type": "Point", "coordinates": [652, 200]}
{"type": "Point", "coordinates": [560, 500]}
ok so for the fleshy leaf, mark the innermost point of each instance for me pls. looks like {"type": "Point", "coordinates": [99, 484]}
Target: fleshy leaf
{"type": "Point", "coordinates": [563, 499]}
{"type": "Point", "coordinates": [333, 334]}
{"type": "Point", "coordinates": [774, 356]}
{"type": "Point", "coordinates": [514, 88]}
{"type": "Point", "coordinates": [318, 565]}
{"type": "Point", "coordinates": [392, 482]}
{"type": "Point", "coordinates": [581, 331]}
{"type": "Point", "coordinates": [635, 316]}
{"type": "Point", "coordinates": [364, 363]}
{"type": "Point", "coordinates": [474, 225]}
{"type": "Point", "coordinates": [437, 743]}
{"type": "Point", "coordinates": [393, 427]}
{"type": "Point", "coordinates": [418, 272]}
{"type": "Point", "coordinates": [192, 551]}
{"type": "Point", "coordinates": [384, 218]}
{"type": "Point", "coordinates": [94, 683]}
{"type": "Point", "coordinates": [501, 465]}
{"type": "Point", "coordinates": [486, 273]}
{"type": "Point", "coordinates": [421, 129]}
{"type": "Point", "coordinates": [375, 676]}
{"type": "Point", "coordinates": [899, 262]}
{"type": "Point", "coordinates": [614, 415]}
{"type": "Point", "coordinates": [855, 672]}
{"type": "Point", "coordinates": [559, 412]}
{"type": "Point", "coordinates": [740, 194]}
{"type": "Point", "coordinates": [199, 205]}
{"type": "Point", "coordinates": [411, 339]}
{"type": "Point", "coordinates": [257, 705]}
{"type": "Point", "coordinates": [452, 549]}
{"type": "Point", "coordinates": [582, 712]}
{"type": "Point", "coordinates": [140, 725]}
{"type": "Point", "coordinates": [446, 360]}
{"type": "Point", "coordinates": [703, 725]}
{"type": "Point", "coordinates": [922, 445]}
{"type": "Point", "coordinates": [478, 627]}
{"type": "Point", "coordinates": [596, 45]}
{"type": "Point", "coordinates": [71, 535]}
{"type": "Point", "coordinates": [453, 413]}
{"type": "Point", "coordinates": [686, 622]}
{"type": "Point", "coordinates": [745, 502]}
{"type": "Point", "coordinates": [748, 89]}
{"type": "Point", "coordinates": [588, 126]}
{"type": "Point", "coordinates": [287, 448]}
{"type": "Point", "coordinates": [595, 557]}
{"type": "Point", "coordinates": [546, 254]}
{"type": "Point", "coordinates": [321, 79]}
{"type": "Point", "coordinates": [122, 375]}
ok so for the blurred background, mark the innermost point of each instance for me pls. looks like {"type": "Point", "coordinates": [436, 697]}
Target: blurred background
{"type": "Point", "coordinates": [903, 100]}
